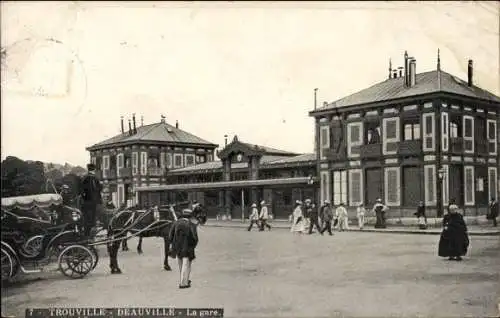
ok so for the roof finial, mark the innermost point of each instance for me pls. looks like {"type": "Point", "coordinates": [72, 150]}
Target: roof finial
{"type": "Point", "coordinates": [439, 62]}
{"type": "Point", "coordinates": [390, 68]}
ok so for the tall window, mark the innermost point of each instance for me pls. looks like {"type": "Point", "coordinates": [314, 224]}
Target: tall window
{"type": "Point", "coordinates": [135, 169]}
{"type": "Point", "coordinates": [428, 134]}
{"type": "Point", "coordinates": [412, 131]}
{"type": "Point", "coordinates": [444, 131]}
{"type": "Point", "coordinates": [430, 184]}
{"type": "Point", "coordinates": [390, 134]}
{"type": "Point", "coordinates": [339, 187]}
{"type": "Point", "coordinates": [468, 124]}
{"type": "Point", "coordinates": [492, 136]}
{"type": "Point", "coordinates": [168, 164]}
{"type": "Point", "coordinates": [105, 166]}
{"type": "Point", "coordinates": [392, 186]}
{"type": "Point", "coordinates": [355, 187]}
{"type": "Point", "coordinates": [453, 130]}
{"type": "Point", "coordinates": [324, 140]}
{"type": "Point", "coordinates": [354, 139]}
{"type": "Point", "coordinates": [144, 163]}
{"type": "Point", "coordinates": [177, 160]}
{"type": "Point", "coordinates": [469, 185]}
{"type": "Point", "coordinates": [119, 163]}
{"type": "Point", "coordinates": [189, 160]}
{"type": "Point", "coordinates": [492, 181]}
{"type": "Point", "coordinates": [325, 185]}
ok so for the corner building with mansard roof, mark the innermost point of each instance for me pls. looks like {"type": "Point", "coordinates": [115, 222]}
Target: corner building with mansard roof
{"type": "Point", "coordinates": [143, 155]}
{"type": "Point", "coordinates": [428, 137]}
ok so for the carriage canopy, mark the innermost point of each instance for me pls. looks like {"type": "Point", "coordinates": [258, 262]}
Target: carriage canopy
{"type": "Point", "coordinates": [42, 201]}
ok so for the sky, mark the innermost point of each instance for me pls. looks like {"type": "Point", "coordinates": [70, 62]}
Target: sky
{"type": "Point", "coordinates": [71, 69]}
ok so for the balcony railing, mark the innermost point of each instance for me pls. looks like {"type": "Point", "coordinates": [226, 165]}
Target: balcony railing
{"type": "Point", "coordinates": [109, 174]}
{"type": "Point", "coordinates": [456, 145]}
{"type": "Point", "coordinates": [409, 147]}
{"type": "Point", "coordinates": [336, 154]}
{"type": "Point", "coordinates": [126, 172]}
{"type": "Point", "coordinates": [155, 171]}
{"type": "Point", "coordinates": [371, 151]}
{"type": "Point", "coordinates": [482, 147]}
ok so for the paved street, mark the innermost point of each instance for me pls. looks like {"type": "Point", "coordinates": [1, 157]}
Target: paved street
{"type": "Point", "coordinates": [269, 274]}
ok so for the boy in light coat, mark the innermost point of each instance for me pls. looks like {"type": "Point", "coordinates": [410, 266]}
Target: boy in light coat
{"type": "Point", "coordinates": [254, 217]}
{"type": "Point", "coordinates": [264, 215]}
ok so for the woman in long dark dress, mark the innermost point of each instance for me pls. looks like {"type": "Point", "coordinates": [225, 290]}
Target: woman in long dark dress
{"type": "Point", "coordinates": [454, 240]}
{"type": "Point", "coordinates": [184, 238]}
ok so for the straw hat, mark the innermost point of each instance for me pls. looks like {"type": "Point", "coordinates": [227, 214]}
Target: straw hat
{"type": "Point", "coordinates": [254, 205]}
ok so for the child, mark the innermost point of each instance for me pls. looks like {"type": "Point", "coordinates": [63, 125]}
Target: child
{"type": "Point", "coordinates": [361, 216]}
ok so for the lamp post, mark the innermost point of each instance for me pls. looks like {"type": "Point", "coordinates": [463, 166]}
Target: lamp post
{"type": "Point", "coordinates": [441, 173]}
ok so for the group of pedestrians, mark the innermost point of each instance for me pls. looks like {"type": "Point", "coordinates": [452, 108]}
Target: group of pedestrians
{"type": "Point", "coordinates": [259, 218]}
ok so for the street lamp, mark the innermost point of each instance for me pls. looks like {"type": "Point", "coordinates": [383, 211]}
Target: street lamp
{"type": "Point", "coordinates": [441, 173]}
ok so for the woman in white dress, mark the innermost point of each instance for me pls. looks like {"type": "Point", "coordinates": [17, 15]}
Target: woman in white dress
{"type": "Point", "coordinates": [297, 219]}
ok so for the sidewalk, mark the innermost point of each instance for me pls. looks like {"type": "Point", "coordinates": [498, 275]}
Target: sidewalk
{"type": "Point", "coordinates": [474, 230]}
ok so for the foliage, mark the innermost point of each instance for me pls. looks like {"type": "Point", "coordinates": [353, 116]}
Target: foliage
{"type": "Point", "coordinates": [22, 177]}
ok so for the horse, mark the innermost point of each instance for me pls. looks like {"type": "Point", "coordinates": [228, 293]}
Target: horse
{"type": "Point", "coordinates": [154, 222]}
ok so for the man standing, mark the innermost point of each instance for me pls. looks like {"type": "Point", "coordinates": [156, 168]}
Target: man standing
{"type": "Point", "coordinates": [313, 217]}
{"type": "Point", "coordinates": [254, 217]}
{"type": "Point", "coordinates": [493, 213]}
{"type": "Point", "coordinates": [380, 209]}
{"type": "Point", "coordinates": [184, 238]}
{"type": "Point", "coordinates": [342, 216]}
{"type": "Point", "coordinates": [264, 215]}
{"type": "Point", "coordinates": [327, 217]}
{"type": "Point", "coordinates": [91, 198]}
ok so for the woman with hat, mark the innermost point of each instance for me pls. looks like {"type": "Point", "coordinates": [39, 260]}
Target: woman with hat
{"type": "Point", "coordinates": [298, 219]}
{"type": "Point", "coordinates": [454, 240]}
{"type": "Point", "coordinates": [254, 217]}
{"type": "Point", "coordinates": [184, 238]}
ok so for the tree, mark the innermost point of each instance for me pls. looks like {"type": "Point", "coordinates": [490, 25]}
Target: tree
{"type": "Point", "coordinates": [22, 178]}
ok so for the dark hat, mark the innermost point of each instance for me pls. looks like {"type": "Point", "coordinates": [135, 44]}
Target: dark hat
{"type": "Point", "coordinates": [91, 167]}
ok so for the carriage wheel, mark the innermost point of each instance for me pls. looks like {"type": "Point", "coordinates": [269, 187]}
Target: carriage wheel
{"type": "Point", "coordinates": [76, 261]}
{"type": "Point", "coordinates": [96, 256]}
{"type": "Point", "coordinates": [7, 265]}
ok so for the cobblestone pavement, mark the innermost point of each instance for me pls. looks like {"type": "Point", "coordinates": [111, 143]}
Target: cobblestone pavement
{"type": "Point", "coordinates": [276, 273]}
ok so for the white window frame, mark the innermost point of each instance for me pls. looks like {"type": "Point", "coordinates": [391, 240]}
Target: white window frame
{"type": "Point", "coordinates": [351, 143]}
{"type": "Point", "coordinates": [386, 140]}
{"type": "Point", "coordinates": [176, 155]}
{"type": "Point", "coordinates": [342, 179]}
{"type": "Point", "coordinates": [162, 160]}
{"type": "Point", "coordinates": [361, 187]}
{"type": "Point", "coordinates": [445, 189]}
{"type": "Point", "coordinates": [324, 144]}
{"type": "Point", "coordinates": [468, 138]}
{"type": "Point", "coordinates": [494, 141]}
{"type": "Point", "coordinates": [495, 182]}
{"type": "Point", "coordinates": [426, 135]}
{"type": "Point", "coordinates": [192, 156]}
{"type": "Point", "coordinates": [144, 163]}
{"type": "Point", "coordinates": [105, 166]}
{"type": "Point", "coordinates": [398, 186]}
{"type": "Point", "coordinates": [473, 185]}
{"type": "Point", "coordinates": [445, 132]}
{"type": "Point", "coordinates": [428, 202]}
{"type": "Point", "coordinates": [135, 163]}
{"type": "Point", "coordinates": [93, 160]}
{"type": "Point", "coordinates": [120, 189]}
{"type": "Point", "coordinates": [325, 182]}
{"type": "Point", "coordinates": [118, 165]}
{"type": "Point", "coordinates": [169, 162]}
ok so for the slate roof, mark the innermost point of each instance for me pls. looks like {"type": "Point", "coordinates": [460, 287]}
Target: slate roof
{"type": "Point", "coordinates": [269, 149]}
{"type": "Point", "coordinates": [267, 161]}
{"type": "Point", "coordinates": [157, 132]}
{"type": "Point", "coordinates": [425, 83]}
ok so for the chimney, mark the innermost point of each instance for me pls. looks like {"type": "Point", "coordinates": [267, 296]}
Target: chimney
{"type": "Point", "coordinates": [400, 69]}
{"type": "Point", "coordinates": [129, 128]}
{"type": "Point", "coordinates": [413, 72]}
{"type": "Point", "coordinates": [406, 69]}
{"type": "Point", "coordinates": [390, 69]}
{"type": "Point", "coordinates": [325, 104]}
{"type": "Point", "coordinates": [142, 121]}
{"type": "Point", "coordinates": [395, 74]}
{"type": "Point", "coordinates": [121, 121]}
{"type": "Point", "coordinates": [225, 140]}
{"type": "Point", "coordinates": [135, 127]}
{"type": "Point", "coordinates": [470, 71]}
{"type": "Point", "coordinates": [177, 124]}
{"type": "Point", "coordinates": [162, 119]}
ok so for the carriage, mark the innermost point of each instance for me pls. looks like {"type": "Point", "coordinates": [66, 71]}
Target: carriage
{"type": "Point", "coordinates": [33, 237]}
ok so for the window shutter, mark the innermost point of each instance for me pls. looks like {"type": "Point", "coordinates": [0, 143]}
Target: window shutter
{"type": "Point", "coordinates": [444, 131]}
{"type": "Point", "coordinates": [355, 187]}
{"type": "Point", "coordinates": [469, 185]}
